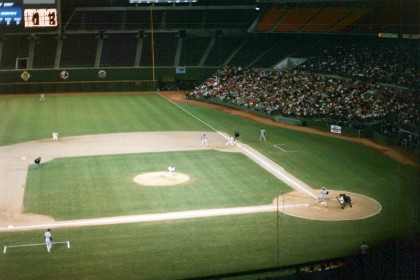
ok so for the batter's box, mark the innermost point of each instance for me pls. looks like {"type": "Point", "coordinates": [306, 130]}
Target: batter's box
{"type": "Point", "coordinates": [284, 148]}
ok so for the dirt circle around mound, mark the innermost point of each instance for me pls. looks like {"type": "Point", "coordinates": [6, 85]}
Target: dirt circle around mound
{"type": "Point", "coordinates": [161, 179]}
{"type": "Point", "coordinates": [301, 205]}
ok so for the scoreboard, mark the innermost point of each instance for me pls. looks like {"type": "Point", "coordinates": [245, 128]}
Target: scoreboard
{"type": "Point", "coordinates": [27, 15]}
{"type": "Point", "coordinates": [35, 18]}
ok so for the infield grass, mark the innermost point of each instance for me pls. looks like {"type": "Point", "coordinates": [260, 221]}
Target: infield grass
{"type": "Point", "coordinates": [102, 186]}
{"type": "Point", "coordinates": [197, 247]}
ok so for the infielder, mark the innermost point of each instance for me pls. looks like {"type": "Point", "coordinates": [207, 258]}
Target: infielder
{"type": "Point", "coordinates": [262, 135]}
{"type": "Point", "coordinates": [48, 240]}
{"type": "Point", "coordinates": [37, 161]}
{"type": "Point", "coordinates": [204, 140]}
{"type": "Point", "coordinates": [55, 136]}
{"type": "Point", "coordinates": [237, 135]}
{"type": "Point", "coordinates": [321, 196]}
{"type": "Point", "coordinates": [230, 141]}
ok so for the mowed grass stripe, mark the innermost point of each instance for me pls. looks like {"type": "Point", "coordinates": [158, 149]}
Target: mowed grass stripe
{"type": "Point", "coordinates": [25, 118]}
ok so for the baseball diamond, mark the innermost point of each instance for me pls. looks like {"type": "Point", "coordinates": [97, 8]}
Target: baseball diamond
{"type": "Point", "coordinates": [203, 139]}
{"type": "Point", "coordinates": [13, 219]}
{"type": "Point", "coordinates": [282, 189]}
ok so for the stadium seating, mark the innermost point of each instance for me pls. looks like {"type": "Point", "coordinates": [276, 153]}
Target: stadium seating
{"type": "Point", "coordinates": [14, 46]}
{"type": "Point", "coordinates": [45, 50]}
{"type": "Point", "coordinates": [165, 46]}
{"type": "Point", "coordinates": [223, 47]}
{"type": "Point", "coordinates": [193, 49]}
{"type": "Point", "coordinates": [79, 50]}
{"type": "Point", "coordinates": [119, 50]}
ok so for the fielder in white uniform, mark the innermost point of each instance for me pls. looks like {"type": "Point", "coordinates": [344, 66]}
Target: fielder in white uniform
{"type": "Point", "coordinates": [204, 140]}
{"type": "Point", "coordinates": [55, 136]}
{"type": "Point", "coordinates": [321, 196]}
{"type": "Point", "coordinates": [42, 97]}
{"type": "Point", "coordinates": [262, 135]}
{"type": "Point", "coordinates": [48, 240]}
{"type": "Point", "coordinates": [230, 141]}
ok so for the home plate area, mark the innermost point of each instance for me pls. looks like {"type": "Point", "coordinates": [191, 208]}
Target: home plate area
{"type": "Point", "coordinates": [363, 206]}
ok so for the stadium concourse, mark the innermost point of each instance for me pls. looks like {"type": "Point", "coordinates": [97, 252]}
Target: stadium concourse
{"type": "Point", "coordinates": [298, 203]}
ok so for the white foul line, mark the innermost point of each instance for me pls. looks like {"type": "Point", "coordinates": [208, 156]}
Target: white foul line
{"type": "Point", "coordinates": [35, 244]}
{"type": "Point", "coordinates": [158, 217]}
{"type": "Point", "coordinates": [278, 147]}
{"type": "Point", "coordinates": [253, 155]}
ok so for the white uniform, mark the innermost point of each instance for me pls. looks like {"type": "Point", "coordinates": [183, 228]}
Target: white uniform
{"type": "Point", "coordinates": [171, 170]}
{"type": "Point", "coordinates": [48, 239]}
{"type": "Point", "coordinates": [341, 200]}
{"type": "Point", "coordinates": [262, 135]}
{"type": "Point", "coordinates": [55, 136]}
{"type": "Point", "coordinates": [230, 141]}
{"type": "Point", "coordinates": [204, 140]}
{"type": "Point", "coordinates": [321, 197]}
{"type": "Point", "coordinates": [42, 97]}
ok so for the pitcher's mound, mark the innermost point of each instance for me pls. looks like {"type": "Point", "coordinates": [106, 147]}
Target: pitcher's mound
{"type": "Point", "coordinates": [158, 179]}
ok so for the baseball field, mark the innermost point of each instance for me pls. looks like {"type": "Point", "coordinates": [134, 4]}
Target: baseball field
{"type": "Point", "coordinates": [115, 212]}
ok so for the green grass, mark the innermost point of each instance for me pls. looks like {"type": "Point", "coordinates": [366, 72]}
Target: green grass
{"type": "Point", "coordinates": [101, 186]}
{"type": "Point", "coordinates": [72, 115]}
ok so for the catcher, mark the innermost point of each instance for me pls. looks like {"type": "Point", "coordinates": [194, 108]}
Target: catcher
{"type": "Point", "coordinates": [344, 199]}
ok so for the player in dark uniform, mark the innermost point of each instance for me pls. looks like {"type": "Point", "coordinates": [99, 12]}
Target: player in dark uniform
{"type": "Point", "coordinates": [237, 135]}
{"type": "Point", "coordinates": [37, 161]}
{"type": "Point", "coordinates": [344, 199]}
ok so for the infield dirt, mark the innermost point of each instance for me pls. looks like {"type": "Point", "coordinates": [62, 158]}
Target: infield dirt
{"type": "Point", "coordinates": [300, 203]}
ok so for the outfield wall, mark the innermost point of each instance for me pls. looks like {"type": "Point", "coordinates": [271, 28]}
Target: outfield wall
{"type": "Point", "coordinates": [94, 80]}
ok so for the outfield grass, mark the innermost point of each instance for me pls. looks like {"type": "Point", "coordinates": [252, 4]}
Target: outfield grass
{"type": "Point", "coordinates": [26, 118]}
{"type": "Point", "coordinates": [190, 248]}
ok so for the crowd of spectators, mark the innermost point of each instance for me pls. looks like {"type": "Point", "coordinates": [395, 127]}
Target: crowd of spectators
{"type": "Point", "coordinates": [388, 61]}
{"type": "Point", "coordinates": [301, 94]}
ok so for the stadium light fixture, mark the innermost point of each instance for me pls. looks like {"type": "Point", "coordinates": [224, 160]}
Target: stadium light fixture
{"type": "Point", "coordinates": [161, 1]}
